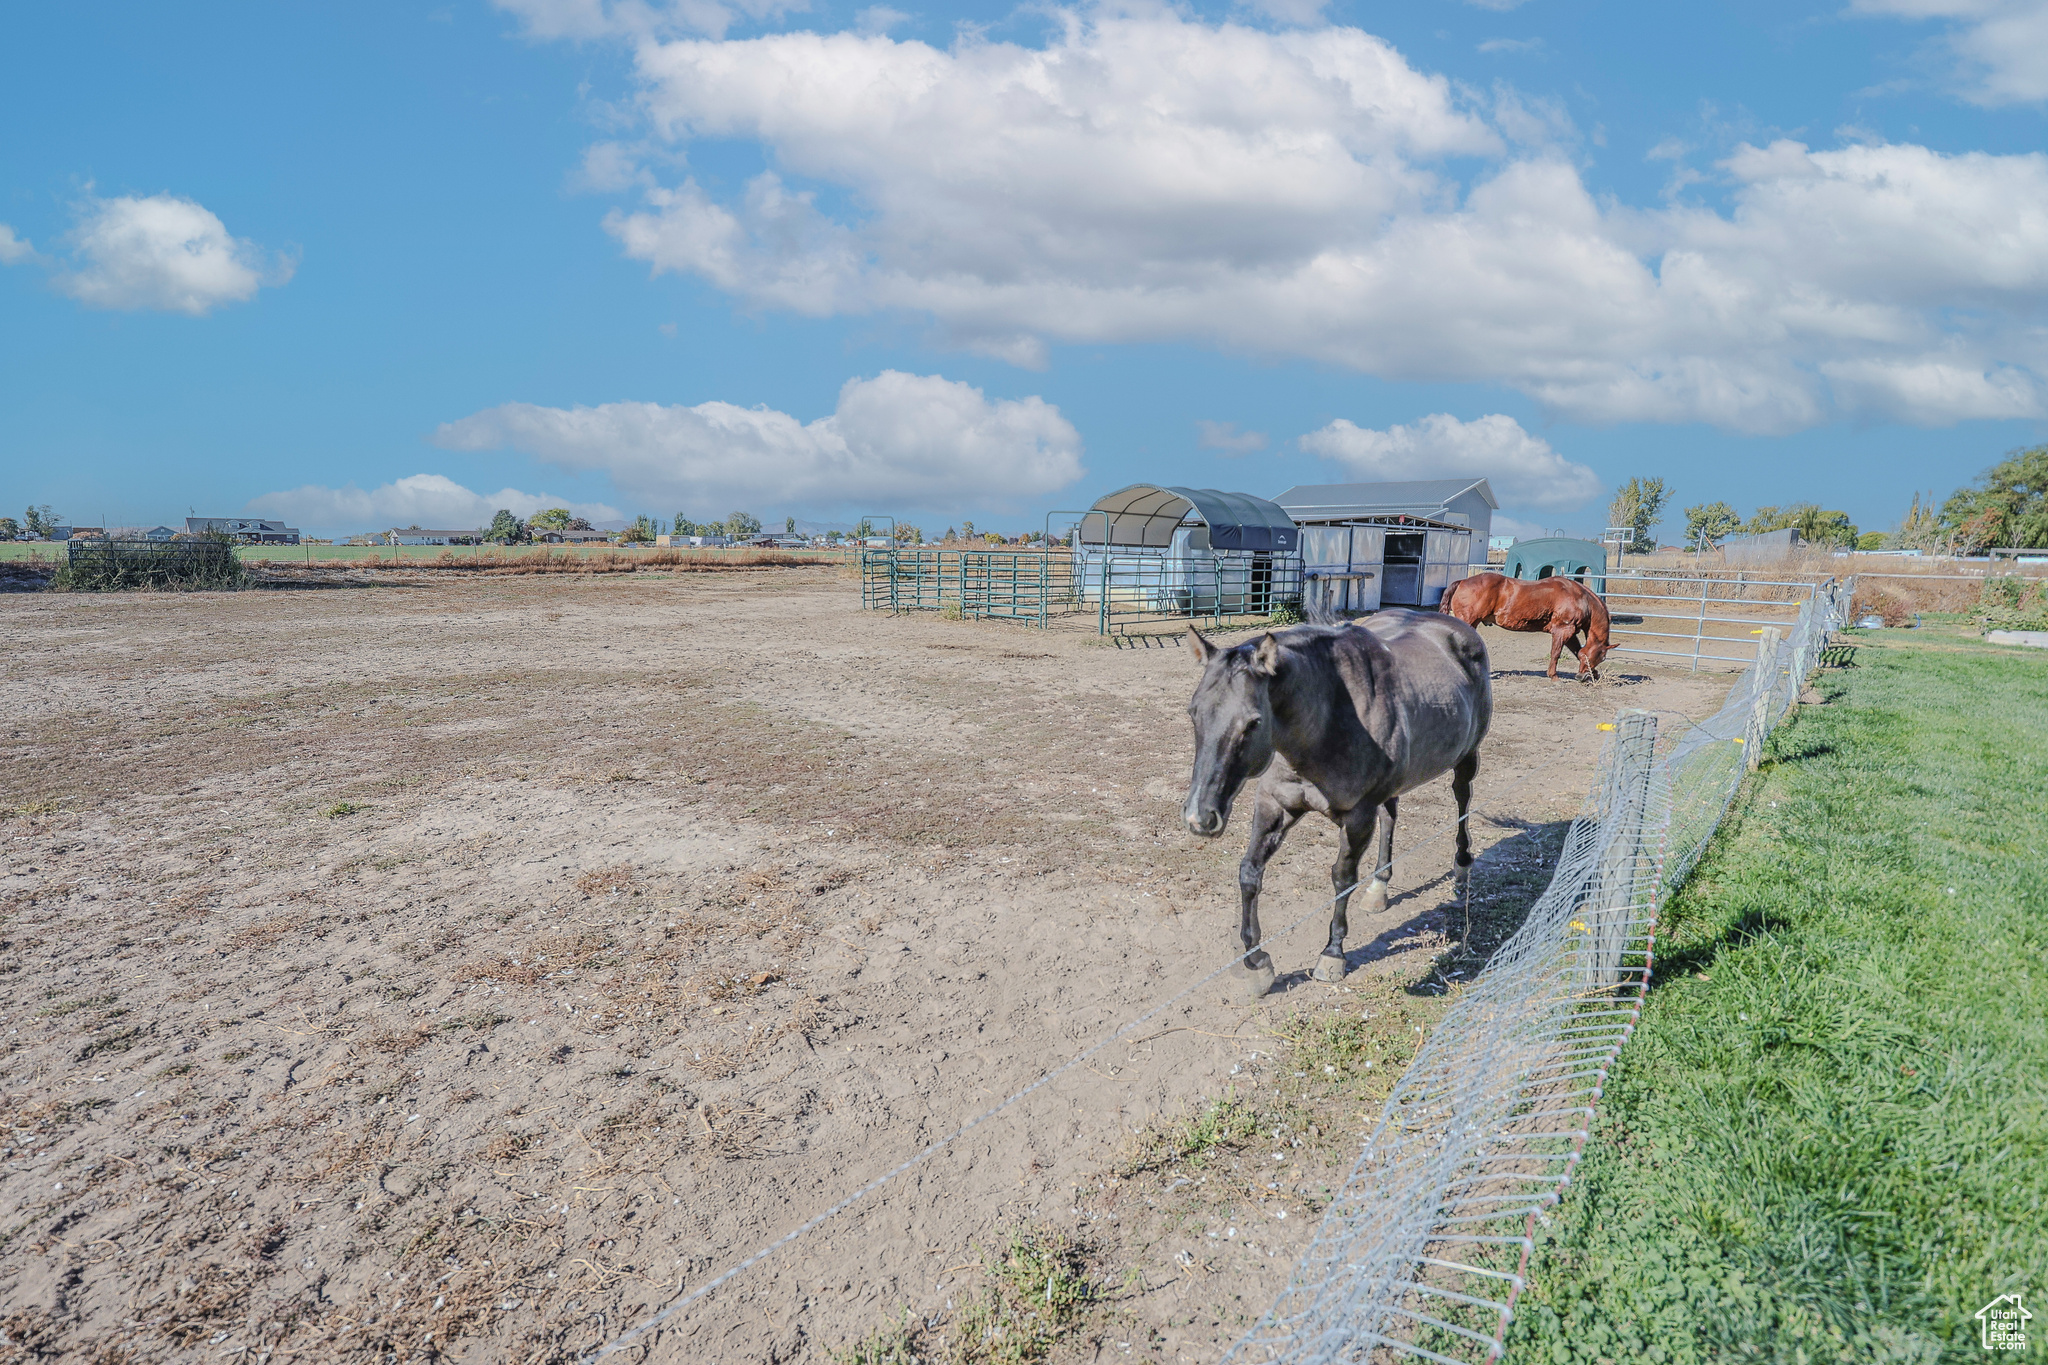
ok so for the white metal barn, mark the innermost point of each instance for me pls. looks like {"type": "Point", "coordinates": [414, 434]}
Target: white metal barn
{"type": "Point", "coordinates": [1370, 545]}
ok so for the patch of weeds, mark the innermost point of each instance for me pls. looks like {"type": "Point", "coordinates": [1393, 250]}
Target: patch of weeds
{"type": "Point", "coordinates": [239, 1054]}
{"type": "Point", "coordinates": [897, 1345]}
{"type": "Point", "coordinates": [48, 805]}
{"type": "Point", "coordinates": [508, 1144]}
{"type": "Point", "coordinates": [111, 1042]}
{"type": "Point", "coordinates": [1347, 1050]}
{"type": "Point", "coordinates": [608, 880]}
{"type": "Point", "coordinates": [1223, 1124]}
{"type": "Point", "coordinates": [65, 1007]}
{"type": "Point", "coordinates": [1038, 1290]}
{"type": "Point", "coordinates": [181, 1069]}
{"type": "Point", "coordinates": [268, 932]}
{"type": "Point", "coordinates": [480, 1021]}
{"type": "Point", "coordinates": [341, 808]}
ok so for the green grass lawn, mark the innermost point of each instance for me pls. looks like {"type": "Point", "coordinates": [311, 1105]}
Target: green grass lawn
{"type": "Point", "coordinates": [1828, 1140]}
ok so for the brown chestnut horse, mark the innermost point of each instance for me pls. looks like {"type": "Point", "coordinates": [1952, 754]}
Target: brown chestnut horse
{"type": "Point", "coordinates": [1572, 614]}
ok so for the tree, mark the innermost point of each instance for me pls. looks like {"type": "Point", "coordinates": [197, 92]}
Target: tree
{"type": "Point", "coordinates": [1920, 528]}
{"type": "Point", "coordinates": [1706, 523]}
{"type": "Point", "coordinates": [642, 531]}
{"type": "Point", "coordinates": [1637, 505]}
{"type": "Point", "coordinates": [966, 530]}
{"type": "Point", "coordinates": [2007, 506]}
{"type": "Point", "coordinates": [40, 521]}
{"type": "Point", "coordinates": [863, 529]}
{"type": "Point", "coordinates": [789, 525]}
{"type": "Point", "coordinates": [739, 525]}
{"type": "Point", "coordinates": [506, 529]}
{"type": "Point", "coordinates": [908, 534]}
{"type": "Point", "coordinates": [951, 534]}
{"type": "Point", "coordinates": [553, 519]}
{"type": "Point", "coordinates": [578, 524]}
{"type": "Point", "coordinates": [1815, 524]}
{"type": "Point", "coordinates": [1871, 540]}
{"type": "Point", "coordinates": [9, 528]}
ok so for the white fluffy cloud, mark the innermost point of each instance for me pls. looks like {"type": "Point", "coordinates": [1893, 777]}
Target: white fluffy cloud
{"type": "Point", "coordinates": [1226, 439]}
{"type": "Point", "coordinates": [897, 440]}
{"type": "Point", "coordinates": [1146, 176]}
{"type": "Point", "coordinates": [1999, 47]}
{"type": "Point", "coordinates": [586, 19]}
{"type": "Point", "coordinates": [165, 253]}
{"type": "Point", "coordinates": [13, 248]}
{"type": "Point", "coordinates": [430, 500]}
{"type": "Point", "coordinates": [1522, 468]}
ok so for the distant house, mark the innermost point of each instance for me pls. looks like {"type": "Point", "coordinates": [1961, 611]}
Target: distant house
{"type": "Point", "coordinates": [247, 530]}
{"type": "Point", "coordinates": [553, 537]}
{"type": "Point", "coordinates": [413, 535]}
{"type": "Point", "coordinates": [779, 540]}
{"type": "Point", "coordinates": [678, 542]}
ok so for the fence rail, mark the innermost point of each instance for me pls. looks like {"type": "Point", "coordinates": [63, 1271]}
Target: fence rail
{"type": "Point", "coordinates": [1634, 599]}
{"type": "Point", "coordinates": [1427, 1246]}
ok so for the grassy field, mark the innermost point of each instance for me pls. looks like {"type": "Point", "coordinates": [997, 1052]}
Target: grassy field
{"type": "Point", "coordinates": [1829, 1138]}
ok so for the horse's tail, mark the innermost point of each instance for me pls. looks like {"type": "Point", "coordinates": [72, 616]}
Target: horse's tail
{"type": "Point", "coordinates": [1316, 613]}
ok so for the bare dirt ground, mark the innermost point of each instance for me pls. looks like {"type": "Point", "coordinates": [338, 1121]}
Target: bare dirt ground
{"type": "Point", "coordinates": [462, 969]}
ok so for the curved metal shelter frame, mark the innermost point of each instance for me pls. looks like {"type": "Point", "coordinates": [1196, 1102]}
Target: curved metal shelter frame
{"type": "Point", "coordinates": [1147, 515]}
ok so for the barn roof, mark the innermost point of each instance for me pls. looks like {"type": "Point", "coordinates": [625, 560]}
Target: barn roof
{"type": "Point", "coordinates": [1147, 514]}
{"type": "Point", "coordinates": [1340, 501]}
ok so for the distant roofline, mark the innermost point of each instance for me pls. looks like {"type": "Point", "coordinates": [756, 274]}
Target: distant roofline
{"type": "Point", "coordinates": [1484, 489]}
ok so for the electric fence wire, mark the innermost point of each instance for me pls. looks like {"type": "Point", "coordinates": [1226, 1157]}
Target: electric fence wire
{"type": "Point", "coordinates": [1425, 1249]}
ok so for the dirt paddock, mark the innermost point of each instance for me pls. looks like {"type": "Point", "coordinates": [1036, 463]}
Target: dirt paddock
{"type": "Point", "coordinates": [462, 969]}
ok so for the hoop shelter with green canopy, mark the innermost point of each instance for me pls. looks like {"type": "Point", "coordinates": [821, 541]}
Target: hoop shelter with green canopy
{"type": "Point", "coordinates": [1583, 561]}
{"type": "Point", "coordinates": [1158, 550]}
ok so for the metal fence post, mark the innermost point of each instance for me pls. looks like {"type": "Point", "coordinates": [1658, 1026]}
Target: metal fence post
{"type": "Point", "coordinates": [1766, 685]}
{"type": "Point", "coordinates": [1625, 817]}
{"type": "Point", "coordinates": [1700, 626]}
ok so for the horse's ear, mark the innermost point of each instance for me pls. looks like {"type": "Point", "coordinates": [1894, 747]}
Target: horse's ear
{"type": "Point", "coordinates": [1199, 646]}
{"type": "Point", "coordinates": [1266, 658]}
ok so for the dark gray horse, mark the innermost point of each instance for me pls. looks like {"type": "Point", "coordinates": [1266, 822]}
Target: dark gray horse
{"type": "Point", "coordinates": [1342, 720]}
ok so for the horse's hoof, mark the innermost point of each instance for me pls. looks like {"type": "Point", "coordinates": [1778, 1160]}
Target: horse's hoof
{"type": "Point", "coordinates": [1331, 967]}
{"type": "Point", "coordinates": [1375, 897]}
{"type": "Point", "coordinates": [1259, 980]}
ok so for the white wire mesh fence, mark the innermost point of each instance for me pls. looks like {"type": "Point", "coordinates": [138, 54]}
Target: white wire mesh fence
{"type": "Point", "coordinates": [1424, 1250]}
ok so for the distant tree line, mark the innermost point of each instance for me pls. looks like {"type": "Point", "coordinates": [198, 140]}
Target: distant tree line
{"type": "Point", "coordinates": [2006, 507]}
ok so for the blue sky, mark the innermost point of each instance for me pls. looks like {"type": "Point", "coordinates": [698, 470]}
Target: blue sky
{"type": "Point", "coordinates": [366, 265]}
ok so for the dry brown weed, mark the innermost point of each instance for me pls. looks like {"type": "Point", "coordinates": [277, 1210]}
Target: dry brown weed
{"type": "Point", "coordinates": [612, 881]}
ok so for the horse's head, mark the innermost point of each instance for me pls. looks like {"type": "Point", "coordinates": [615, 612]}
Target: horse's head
{"type": "Point", "coordinates": [1233, 720]}
{"type": "Point", "coordinates": [1592, 654]}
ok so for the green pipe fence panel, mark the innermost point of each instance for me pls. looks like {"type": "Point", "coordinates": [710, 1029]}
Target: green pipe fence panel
{"type": "Point", "coordinates": [1011, 586]}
